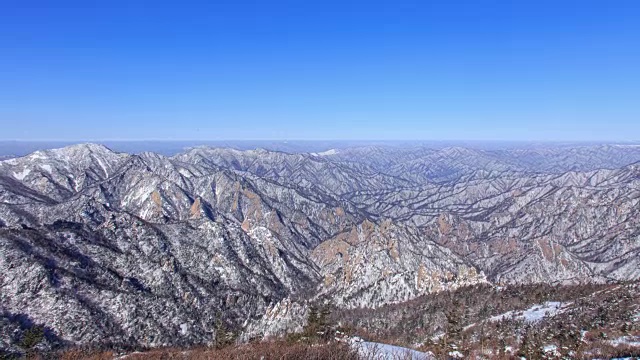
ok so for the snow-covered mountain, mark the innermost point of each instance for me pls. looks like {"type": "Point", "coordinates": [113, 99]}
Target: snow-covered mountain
{"type": "Point", "coordinates": [100, 246]}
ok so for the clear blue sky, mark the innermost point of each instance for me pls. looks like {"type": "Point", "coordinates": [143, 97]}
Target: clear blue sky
{"type": "Point", "coordinates": [483, 70]}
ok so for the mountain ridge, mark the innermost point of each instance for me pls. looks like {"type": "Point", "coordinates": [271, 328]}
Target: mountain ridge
{"type": "Point", "coordinates": [220, 235]}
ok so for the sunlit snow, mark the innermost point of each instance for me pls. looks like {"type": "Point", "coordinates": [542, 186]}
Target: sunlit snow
{"type": "Point", "coordinates": [378, 351]}
{"type": "Point", "coordinates": [21, 175]}
{"type": "Point", "coordinates": [534, 313]}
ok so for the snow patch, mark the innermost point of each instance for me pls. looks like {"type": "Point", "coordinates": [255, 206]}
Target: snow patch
{"type": "Point", "coordinates": [21, 175]}
{"type": "Point", "coordinates": [104, 168]}
{"type": "Point", "coordinates": [184, 172]}
{"type": "Point", "coordinates": [46, 168]}
{"type": "Point", "coordinates": [128, 355]}
{"type": "Point", "coordinates": [326, 153]}
{"type": "Point", "coordinates": [38, 155]}
{"type": "Point", "coordinates": [378, 351]}
{"type": "Point", "coordinates": [184, 329]}
{"type": "Point", "coordinates": [551, 349]}
{"type": "Point", "coordinates": [633, 341]}
{"type": "Point", "coordinates": [534, 313]}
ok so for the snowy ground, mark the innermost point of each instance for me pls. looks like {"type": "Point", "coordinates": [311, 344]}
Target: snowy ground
{"type": "Point", "coordinates": [626, 340]}
{"type": "Point", "coordinates": [122, 357]}
{"type": "Point", "coordinates": [534, 313]}
{"type": "Point", "coordinates": [377, 351]}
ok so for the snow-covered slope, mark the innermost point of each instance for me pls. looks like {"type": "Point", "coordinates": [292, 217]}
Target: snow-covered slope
{"type": "Point", "coordinates": [165, 248]}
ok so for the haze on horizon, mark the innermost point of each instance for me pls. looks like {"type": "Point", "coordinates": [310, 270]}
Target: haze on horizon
{"type": "Point", "coordinates": [468, 70]}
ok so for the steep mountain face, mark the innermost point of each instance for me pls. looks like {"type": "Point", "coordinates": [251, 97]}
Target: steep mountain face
{"type": "Point", "coordinates": [146, 249]}
{"type": "Point", "coordinates": [102, 275]}
{"type": "Point", "coordinates": [373, 265]}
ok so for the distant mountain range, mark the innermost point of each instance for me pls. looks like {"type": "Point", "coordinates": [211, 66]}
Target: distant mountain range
{"type": "Point", "coordinates": [107, 247]}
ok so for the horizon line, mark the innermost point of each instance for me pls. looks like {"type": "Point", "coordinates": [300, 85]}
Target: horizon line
{"type": "Point", "coordinates": [79, 141]}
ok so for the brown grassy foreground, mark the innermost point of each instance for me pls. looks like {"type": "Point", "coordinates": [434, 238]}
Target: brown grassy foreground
{"type": "Point", "coordinates": [259, 350]}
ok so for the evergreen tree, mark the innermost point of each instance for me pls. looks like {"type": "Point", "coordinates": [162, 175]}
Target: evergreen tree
{"type": "Point", "coordinates": [312, 321]}
{"type": "Point", "coordinates": [224, 336]}
{"type": "Point", "coordinates": [32, 337]}
{"type": "Point", "coordinates": [318, 323]}
{"type": "Point", "coordinates": [323, 322]}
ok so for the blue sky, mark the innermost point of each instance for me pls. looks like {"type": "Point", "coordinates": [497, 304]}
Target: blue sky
{"type": "Point", "coordinates": [210, 70]}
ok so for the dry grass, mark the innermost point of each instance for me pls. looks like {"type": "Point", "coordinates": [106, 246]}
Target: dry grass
{"type": "Point", "coordinates": [282, 350]}
{"type": "Point", "coordinates": [254, 351]}
{"type": "Point", "coordinates": [87, 355]}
